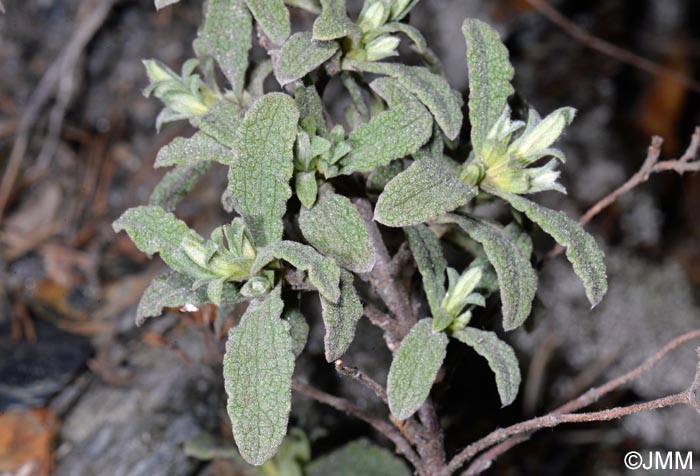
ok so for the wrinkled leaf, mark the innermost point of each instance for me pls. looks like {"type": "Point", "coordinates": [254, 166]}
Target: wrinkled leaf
{"type": "Point", "coordinates": [335, 228]}
{"type": "Point", "coordinates": [300, 55]}
{"type": "Point", "coordinates": [221, 121]}
{"type": "Point", "coordinates": [444, 103]}
{"type": "Point", "coordinates": [173, 289]}
{"type": "Point", "coordinates": [153, 230]}
{"type": "Point", "coordinates": [258, 368]}
{"type": "Point", "coordinates": [423, 191]}
{"type": "Point", "coordinates": [298, 330]}
{"type": "Point", "coordinates": [358, 458]}
{"type": "Point", "coordinates": [256, 85]}
{"type": "Point", "coordinates": [340, 319]}
{"type": "Point", "coordinates": [273, 17]}
{"type": "Point", "coordinates": [391, 134]}
{"type": "Point", "coordinates": [490, 74]}
{"type": "Point", "coordinates": [431, 263]}
{"type": "Point", "coordinates": [581, 248]}
{"type": "Point", "coordinates": [310, 109]}
{"type": "Point", "coordinates": [226, 36]}
{"type": "Point", "coordinates": [501, 359]}
{"type": "Point", "coordinates": [414, 368]}
{"type": "Point", "coordinates": [259, 177]}
{"type": "Point", "coordinates": [323, 272]}
{"type": "Point", "coordinates": [516, 278]}
{"type": "Point", "coordinates": [176, 184]}
{"type": "Point", "coordinates": [191, 150]}
{"type": "Point", "coordinates": [333, 22]}
{"type": "Point", "coordinates": [380, 176]}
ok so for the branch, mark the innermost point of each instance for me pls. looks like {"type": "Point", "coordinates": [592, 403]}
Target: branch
{"type": "Point", "coordinates": [521, 431]}
{"type": "Point", "coordinates": [382, 277]}
{"type": "Point", "coordinates": [357, 375]}
{"type": "Point", "coordinates": [688, 162]}
{"type": "Point", "coordinates": [620, 54]}
{"type": "Point", "coordinates": [340, 404]}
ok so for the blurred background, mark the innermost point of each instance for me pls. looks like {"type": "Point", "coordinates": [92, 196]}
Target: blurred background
{"type": "Point", "coordinates": [85, 392]}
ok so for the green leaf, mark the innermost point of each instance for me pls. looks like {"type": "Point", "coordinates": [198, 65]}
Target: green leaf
{"type": "Point", "coordinates": [310, 109]}
{"type": "Point", "coordinates": [300, 55]}
{"type": "Point", "coordinates": [323, 272]}
{"type": "Point", "coordinates": [259, 177]}
{"type": "Point", "coordinates": [434, 91]}
{"type": "Point", "coordinates": [581, 248]}
{"type": "Point", "coordinates": [340, 319]}
{"type": "Point", "coordinates": [431, 263]}
{"type": "Point", "coordinates": [260, 72]}
{"type": "Point", "coordinates": [298, 330]}
{"type": "Point", "coordinates": [258, 368]}
{"type": "Point", "coordinates": [192, 150]}
{"type": "Point", "coordinates": [273, 17]}
{"type": "Point", "coordinates": [382, 175]}
{"type": "Point", "coordinates": [176, 184]}
{"type": "Point", "coordinates": [313, 6]}
{"type": "Point", "coordinates": [173, 289]}
{"type": "Point", "coordinates": [333, 22]}
{"type": "Point", "coordinates": [159, 4]}
{"type": "Point", "coordinates": [346, 239]}
{"type": "Point", "coordinates": [306, 187]}
{"type": "Point", "coordinates": [390, 135]}
{"type": "Point", "coordinates": [516, 278]}
{"type": "Point", "coordinates": [206, 447]}
{"type": "Point", "coordinates": [358, 458]}
{"type": "Point", "coordinates": [414, 368]}
{"type": "Point", "coordinates": [425, 190]}
{"type": "Point", "coordinates": [221, 121]}
{"type": "Point", "coordinates": [500, 356]}
{"type": "Point", "coordinates": [490, 74]}
{"type": "Point", "coordinates": [225, 35]}
{"type": "Point", "coordinates": [153, 230]}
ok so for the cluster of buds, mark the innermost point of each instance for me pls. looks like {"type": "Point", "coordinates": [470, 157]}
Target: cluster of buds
{"type": "Point", "coordinates": [504, 165]}
{"type": "Point", "coordinates": [377, 42]}
{"type": "Point", "coordinates": [227, 256]}
{"type": "Point", "coordinates": [185, 96]}
{"type": "Point", "coordinates": [461, 293]}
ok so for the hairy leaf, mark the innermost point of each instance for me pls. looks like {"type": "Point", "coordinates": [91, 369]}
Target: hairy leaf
{"type": "Point", "coordinates": [300, 55]}
{"type": "Point", "coordinates": [490, 74]}
{"type": "Point", "coordinates": [258, 368]}
{"type": "Point", "coordinates": [425, 190]}
{"type": "Point", "coordinates": [273, 17]}
{"type": "Point", "coordinates": [390, 135]}
{"type": "Point", "coordinates": [259, 177]}
{"type": "Point", "coordinates": [310, 109]}
{"type": "Point", "coordinates": [159, 4]}
{"type": "Point", "coordinates": [221, 121]}
{"type": "Point", "coordinates": [434, 91]}
{"type": "Point", "coordinates": [153, 230]}
{"type": "Point", "coordinates": [431, 263]}
{"type": "Point", "coordinates": [358, 458]}
{"type": "Point", "coordinates": [176, 184]}
{"type": "Point", "coordinates": [298, 330]}
{"type": "Point", "coordinates": [226, 36]}
{"type": "Point", "coordinates": [313, 6]}
{"type": "Point", "coordinates": [323, 272]}
{"type": "Point", "coordinates": [500, 356]}
{"type": "Point", "coordinates": [340, 319]}
{"type": "Point", "coordinates": [192, 150]}
{"type": "Point", "coordinates": [306, 187]}
{"type": "Point", "coordinates": [173, 289]}
{"type": "Point", "coordinates": [516, 278]}
{"type": "Point", "coordinates": [414, 368]}
{"type": "Point", "coordinates": [335, 228]}
{"type": "Point", "coordinates": [333, 22]}
{"type": "Point", "coordinates": [581, 248]}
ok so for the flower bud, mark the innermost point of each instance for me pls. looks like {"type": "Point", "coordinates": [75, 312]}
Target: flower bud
{"type": "Point", "coordinates": [540, 134]}
{"type": "Point", "coordinates": [373, 17]}
{"type": "Point", "coordinates": [382, 47]}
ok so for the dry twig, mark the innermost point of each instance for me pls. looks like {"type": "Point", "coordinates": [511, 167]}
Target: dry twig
{"type": "Point", "coordinates": [607, 48]}
{"type": "Point", "coordinates": [501, 440]}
